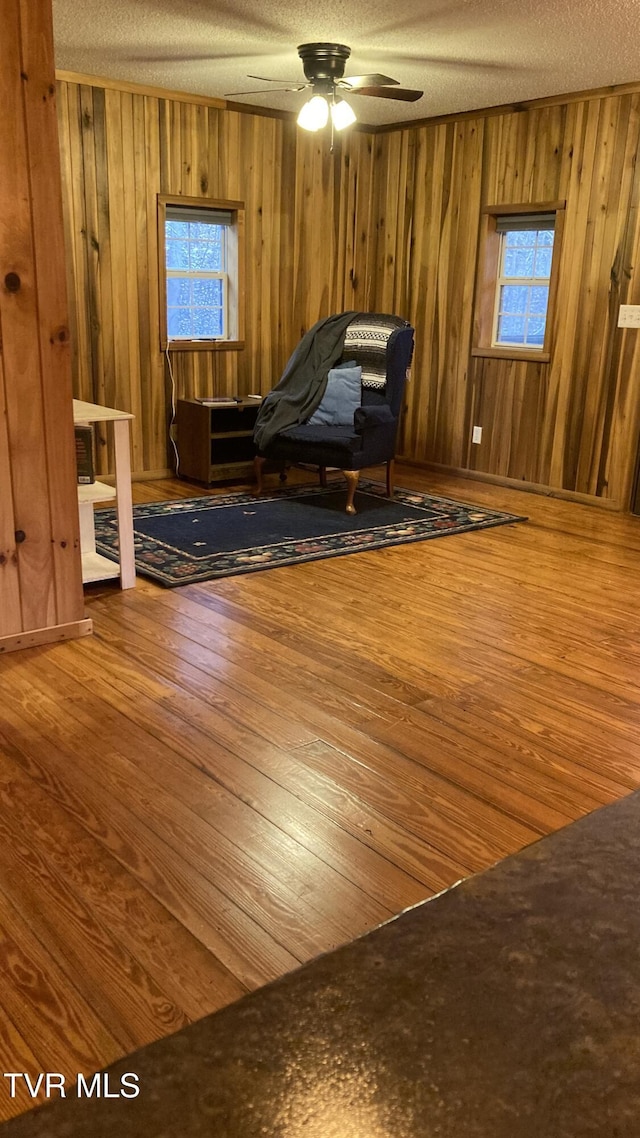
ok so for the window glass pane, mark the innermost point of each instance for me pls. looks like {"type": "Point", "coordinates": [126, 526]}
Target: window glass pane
{"type": "Point", "coordinates": [522, 308]}
{"type": "Point", "coordinates": [207, 292]}
{"type": "Point", "coordinates": [195, 302]}
{"type": "Point", "coordinates": [518, 262]}
{"type": "Point", "coordinates": [538, 297]}
{"type": "Point", "coordinates": [511, 329]}
{"type": "Point", "coordinates": [207, 322]}
{"type": "Point", "coordinates": [178, 290]}
{"type": "Point", "coordinates": [543, 262]}
{"type": "Point", "coordinates": [200, 231]}
{"type": "Point", "coordinates": [516, 237]}
{"type": "Point", "coordinates": [535, 332]}
{"type": "Point", "coordinates": [205, 256]}
{"type": "Point", "coordinates": [179, 322]}
{"type": "Point", "coordinates": [177, 254]}
{"type": "Point", "coordinates": [203, 291]}
{"type": "Point", "coordinates": [177, 229]}
{"type": "Point", "coordinates": [514, 298]}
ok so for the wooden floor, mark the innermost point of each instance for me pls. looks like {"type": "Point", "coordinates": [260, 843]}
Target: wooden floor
{"type": "Point", "coordinates": [229, 778]}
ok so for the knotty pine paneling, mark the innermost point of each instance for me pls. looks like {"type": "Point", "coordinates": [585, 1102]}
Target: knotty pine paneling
{"type": "Point", "coordinates": [40, 573]}
{"type": "Point", "coordinates": [571, 424]}
{"type": "Point", "coordinates": [310, 243]}
{"type": "Point", "coordinates": [388, 222]}
{"type": "Point", "coordinates": [429, 199]}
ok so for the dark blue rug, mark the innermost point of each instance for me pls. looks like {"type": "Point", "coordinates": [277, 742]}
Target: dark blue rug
{"type": "Point", "coordinates": [199, 539]}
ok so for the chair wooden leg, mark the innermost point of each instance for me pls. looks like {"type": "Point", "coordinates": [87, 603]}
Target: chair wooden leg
{"type": "Point", "coordinates": [258, 464]}
{"type": "Point", "coordinates": [352, 477]}
{"type": "Point", "coordinates": [323, 477]}
{"type": "Point", "coordinates": [390, 477]}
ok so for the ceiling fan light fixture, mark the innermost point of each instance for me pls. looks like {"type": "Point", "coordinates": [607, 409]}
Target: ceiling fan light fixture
{"type": "Point", "coordinates": [342, 115]}
{"type": "Point", "coordinates": [314, 114]}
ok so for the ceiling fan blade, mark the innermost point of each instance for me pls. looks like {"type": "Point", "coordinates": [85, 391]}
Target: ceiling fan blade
{"type": "Point", "coordinates": [401, 93]}
{"type": "Point", "coordinates": [368, 81]}
{"type": "Point", "coordinates": [265, 79]}
{"type": "Point", "coordinates": [264, 91]}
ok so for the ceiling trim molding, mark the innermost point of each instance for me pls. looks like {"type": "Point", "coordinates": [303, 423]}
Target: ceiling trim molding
{"type": "Point", "coordinates": [139, 89]}
{"type": "Point", "coordinates": [384, 128]}
{"type": "Point", "coordinates": [514, 108]}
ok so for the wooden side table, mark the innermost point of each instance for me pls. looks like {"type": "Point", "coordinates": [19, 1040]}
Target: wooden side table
{"type": "Point", "coordinates": [94, 566]}
{"type": "Point", "coordinates": [215, 439]}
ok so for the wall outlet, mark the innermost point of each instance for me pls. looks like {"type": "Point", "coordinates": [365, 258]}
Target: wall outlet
{"type": "Point", "coordinates": [629, 316]}
{"type": "Point", "coordinates": [477, 435]}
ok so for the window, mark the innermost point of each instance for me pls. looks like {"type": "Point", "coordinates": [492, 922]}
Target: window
{"type": "Point", "coordinates": [516, 280]}
{"type": "Point", "coordinates": [196, 264]}
{"type": "Point", "coordinates": [200, 273]}
{"type": "Point", "coordinates": [522, 293]}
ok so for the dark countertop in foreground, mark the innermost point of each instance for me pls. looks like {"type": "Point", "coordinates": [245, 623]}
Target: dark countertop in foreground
{"type": "Point", "coordinates": [508, 1007]}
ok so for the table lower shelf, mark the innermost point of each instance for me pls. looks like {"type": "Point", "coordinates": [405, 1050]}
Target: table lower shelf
{"type": "Point", "coordinates": [95, 567]}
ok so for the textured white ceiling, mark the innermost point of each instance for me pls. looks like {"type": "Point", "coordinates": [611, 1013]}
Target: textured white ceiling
{"type": "Point", "coordinates": [463, 54]}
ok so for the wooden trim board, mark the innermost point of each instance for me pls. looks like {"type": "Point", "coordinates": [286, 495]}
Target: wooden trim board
{"type": "Point", "coordinates": [37, 636]}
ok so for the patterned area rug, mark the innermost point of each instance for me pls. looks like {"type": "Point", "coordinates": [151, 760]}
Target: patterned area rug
{"type": "Point", "coordinates": [199, 539]}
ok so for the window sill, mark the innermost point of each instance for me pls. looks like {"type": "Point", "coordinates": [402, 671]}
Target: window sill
{"type": "Point", "coordinates": [203, 346]}
{"type": "Point", "coordinates": [529, 355]}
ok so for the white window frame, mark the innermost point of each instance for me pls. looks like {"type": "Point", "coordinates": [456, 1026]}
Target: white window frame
{"type": "Point", "coordinates": [201, 275]}
{"type": "Point", "coordinates": [232, 276]}
{"type": "Point", "coordinates": [526, 282]}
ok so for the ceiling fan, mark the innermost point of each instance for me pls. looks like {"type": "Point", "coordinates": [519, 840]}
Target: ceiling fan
{"type": "Point", "coordinates": [324, 65]}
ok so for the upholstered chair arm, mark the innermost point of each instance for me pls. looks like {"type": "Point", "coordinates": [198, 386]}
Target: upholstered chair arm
{"type": "Point", "coordinates": [370, 417]}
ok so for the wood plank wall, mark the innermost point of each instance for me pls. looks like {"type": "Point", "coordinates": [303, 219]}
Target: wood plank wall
{"type": "Point", "coordinates": [571, 424]}
{"type": "Point", "coordinates": [389, 222]}
{"type": "Point", "coordinates": [40, 573]}
{"type": "Point", "coordinates": [308, 215]}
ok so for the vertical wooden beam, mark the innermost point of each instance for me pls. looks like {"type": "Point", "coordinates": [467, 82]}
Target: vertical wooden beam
{"type": "Point", "coordinates": [37, 475]}
{"type": "Point", "coordinates": [10, 610]}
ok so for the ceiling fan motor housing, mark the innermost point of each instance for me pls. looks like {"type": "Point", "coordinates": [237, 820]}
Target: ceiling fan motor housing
{"type": "Point", "coordinates": [324, 63]}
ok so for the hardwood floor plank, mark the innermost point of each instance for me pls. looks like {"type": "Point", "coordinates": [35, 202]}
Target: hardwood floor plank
{"type": "Point", "coordinates": [540, 766]}
{"type": "Point", "coordinates": [436, 869]}
{"type": "Point", "coordinates": [190, 976]}
{"type": "Point", "coordinates": [207, 674]}
{"type": "Point", "coordinates": [222, 926]}
{"type": "Point", "coordinates": [275, 879]}
{"type": "Point", "coordinates": [343, 653]}
{"type": "Point", "coordinates": [425, 805]}
{"type": "Point", "coordinates": [263, 790]}
{"type": "Point", "coordinates": [107, 975]}
{"type": "Point", "coordinates": [15, 1055]}
{"type": "Point", "coordinates": [537, 799]}
{"type": "Point", "coordinates": [275, 650]}
{"type": "Point", "coordinates": [254, 669]}
{"type": "Point", "coordinates": [592, 731]}
{"type": "Point", "coordinates": [230, 700]}
{"type": "Point", "coordinates": [438, 861]}
{"type": "Point", "coordinates": [231, 777]}
{"type": "Point", "coordinates": [44, 1001]}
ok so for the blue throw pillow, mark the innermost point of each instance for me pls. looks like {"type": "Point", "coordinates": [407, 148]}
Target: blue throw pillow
{"type": "Point", "coordinates": [342, 397]}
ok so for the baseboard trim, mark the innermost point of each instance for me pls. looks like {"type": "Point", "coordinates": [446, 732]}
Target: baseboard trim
{"type": "Point", "coordinates": [517, 484]}
{"type": "Point", "coordinates": [32, 638]}
{"type": "Point", "coordinates": [141, 476]}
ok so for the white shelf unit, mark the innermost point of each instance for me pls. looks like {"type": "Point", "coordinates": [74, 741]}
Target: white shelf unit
{"type": "Point", "coordinates": [95, 567]}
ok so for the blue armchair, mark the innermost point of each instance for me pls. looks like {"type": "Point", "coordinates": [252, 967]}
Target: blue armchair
{"type": "Point", "coordinates": [383, 347]}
